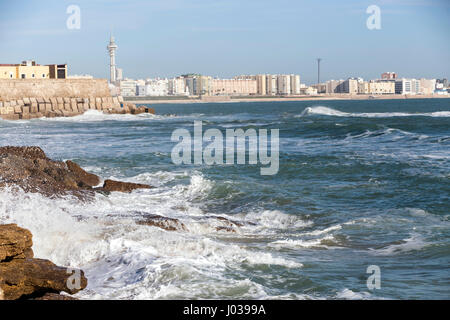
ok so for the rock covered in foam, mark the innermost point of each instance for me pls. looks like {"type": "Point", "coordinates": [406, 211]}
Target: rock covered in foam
{"type": "Point", "coordinates": [169, 224]}
{"type": "Point", "coordinates": [22, 276]}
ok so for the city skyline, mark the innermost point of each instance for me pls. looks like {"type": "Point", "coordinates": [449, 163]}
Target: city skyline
{"type": "Point", "coordinates": [166, 39]}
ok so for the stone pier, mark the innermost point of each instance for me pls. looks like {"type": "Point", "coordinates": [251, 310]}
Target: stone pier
{"type": "Point", "coordinates": [29, 98]}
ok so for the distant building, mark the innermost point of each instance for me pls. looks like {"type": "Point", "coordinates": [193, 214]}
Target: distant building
{"type": "Point", "coordinates": [427, 86]}
{"type": "Point", "coordinates": [177, 87]}
{"type": "Point", "coordinates": [202, 85]}
{"type": "Point", "coordinates": [308, 91]}
{"type": "Point", "coordinates": [284, 85]}
{"type": "Point", "coordinates": [389, 76]}
{"type": "Point", "coordinates": [32, 70]}
{"type": "Point", "coordinates": [127, 87]}
{"type": "Point", "coordinates": [407, 86]}
{"type": "Point", "coordinates": [119, 74]}
{"type": "Point", "coordinates": [376, 87]}
{"type": "Point", "coordinates": [271, 85]}
{"type": "Point", "coordinates": [349, 86]}
{"type": "Point", "coordinates": [242, 87]}
{"type": "Point", "coordinates": [261, 84]}
{"type": "Point", "coordinates": [295, 84]}
{"type": "Point", "coordinates": [444, 82]}
{"type": "Point", "coordinates": [141, 90]}
{"type": "Point", "coordinates": [332, 86]}
{"type": "Point", "coordinates": [157, 87]}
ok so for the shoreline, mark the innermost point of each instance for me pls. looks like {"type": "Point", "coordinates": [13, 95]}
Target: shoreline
{"type": "Point", "coordinates": [280, 99]}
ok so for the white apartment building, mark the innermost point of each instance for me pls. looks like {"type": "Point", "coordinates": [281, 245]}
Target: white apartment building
{"type": "Point", "coordinates": [271, 85]}
{"type": "Point", "coordinates": [284, 84]}
{"type": "Point", "coordinates": [127, 87]}
{"type": "Point", "coordinates": [407, 86]}
{"type": "Point", "coordinates": [157, 87]}
{"type": "Point", "coordinates": [177, 87]}
{"type": "Point", "coordinates": [295, 84]}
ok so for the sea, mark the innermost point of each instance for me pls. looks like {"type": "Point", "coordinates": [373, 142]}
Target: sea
{"type": "Point", "coordinates": [359, 208]}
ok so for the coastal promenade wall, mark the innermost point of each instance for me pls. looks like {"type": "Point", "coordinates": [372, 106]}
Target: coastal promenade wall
{"type": "Point", "coordinates": [35, 98]}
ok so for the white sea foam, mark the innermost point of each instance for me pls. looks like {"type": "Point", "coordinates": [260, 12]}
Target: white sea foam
{"type": "Point", "coordinates": [125, 260]}
{"type": "Point", "coordinates": [293, 244]}
{"type": "Point", "coordinates": [326, 111]}
{"type": "Point", "coordinates": [96, 116]}
{"type": "Point", "coordinates": [413, 243]}
{"type": "Point", "coordinates": [275, 219]}
{"type": "Point", "coordinates": [348, 294]}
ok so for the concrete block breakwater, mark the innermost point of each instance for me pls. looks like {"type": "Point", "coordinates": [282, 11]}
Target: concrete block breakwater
{"type": "Point", "coordinates": [30, 108]}
{"type": "Point", "coordinates": [36, 98]}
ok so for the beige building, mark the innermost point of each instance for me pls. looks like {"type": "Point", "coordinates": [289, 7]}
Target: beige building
{"type": "Point", "coordinates": [284, 84]}
{"type": "Point", "coordinates": [261, 84]}
{"type": "Point", "coordinates": [177, 87]}
{"type": "Point", "coordinates": [243, 87]}
{"type": "Point", "coordinates": [427, 86]}
{"type": "Point", "coordinates": [203, 85]}
{"type": "Point", "coordinates": [271, 85]}
{"type": "Point", "coordinates": [8, 71]}
{"type": "Point", "coordinates": [376, 87]}
{"type": "Point", "coordinates": [295, 84]}
{"type": "Point", "coordinates": [31, 70]}
{"type": "Point", "coordinates": [308, 91]}
{"type": "Point", "coordinates": [350, 86]}
{"type": "Point", "coordinates": [332, 86]}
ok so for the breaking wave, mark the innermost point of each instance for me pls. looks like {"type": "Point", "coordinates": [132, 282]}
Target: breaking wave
{"type": "Point", "coordinates": [325, 111]}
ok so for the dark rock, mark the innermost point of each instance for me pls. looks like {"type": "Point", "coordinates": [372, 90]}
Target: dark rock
{"type": "Point", "coordinates": [87, 178]}
{"type": "Point", "coordinates": [169, 224]}
{"type": "Point", "coordinates": [227, 229]}
{"type": "Point", "coordinates": [111, 185]}
{"type": "Point", "coordinates": [229, 222]}
{"type": "Point", "coordinates": [26, 152]}
{"type": "Point", "coordinates": [29, 169]}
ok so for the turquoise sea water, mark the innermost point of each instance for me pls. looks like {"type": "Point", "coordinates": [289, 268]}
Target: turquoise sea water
{"type": "Point", "coordinates": [360, 183]}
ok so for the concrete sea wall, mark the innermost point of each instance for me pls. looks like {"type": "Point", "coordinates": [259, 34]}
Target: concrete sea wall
{"type": "Point", "coordinates": [33, 98]}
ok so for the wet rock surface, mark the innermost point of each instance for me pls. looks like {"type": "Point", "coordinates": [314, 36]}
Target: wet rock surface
{"type": "Point", "coordinates": [25, 277]}
{"type": "Point", "coordinates": [30, 169]}
{"type": "Point", "coordinates": [169, 224]}
{"type": "Point", "coordinates": [111, 185]}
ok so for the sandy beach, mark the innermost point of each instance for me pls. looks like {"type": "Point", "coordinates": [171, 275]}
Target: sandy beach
{"type": "Point", "coordinates": [165, 100]}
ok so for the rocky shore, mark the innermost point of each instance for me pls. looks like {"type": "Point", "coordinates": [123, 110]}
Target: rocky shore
{"type": "Point", "coordinates": [28, 168]}
{"type": "Point", "coordinates": [21, 275]}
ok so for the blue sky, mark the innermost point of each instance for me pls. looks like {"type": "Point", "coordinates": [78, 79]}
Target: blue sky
{"type": "Point", "coordinates": [159, 38]}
